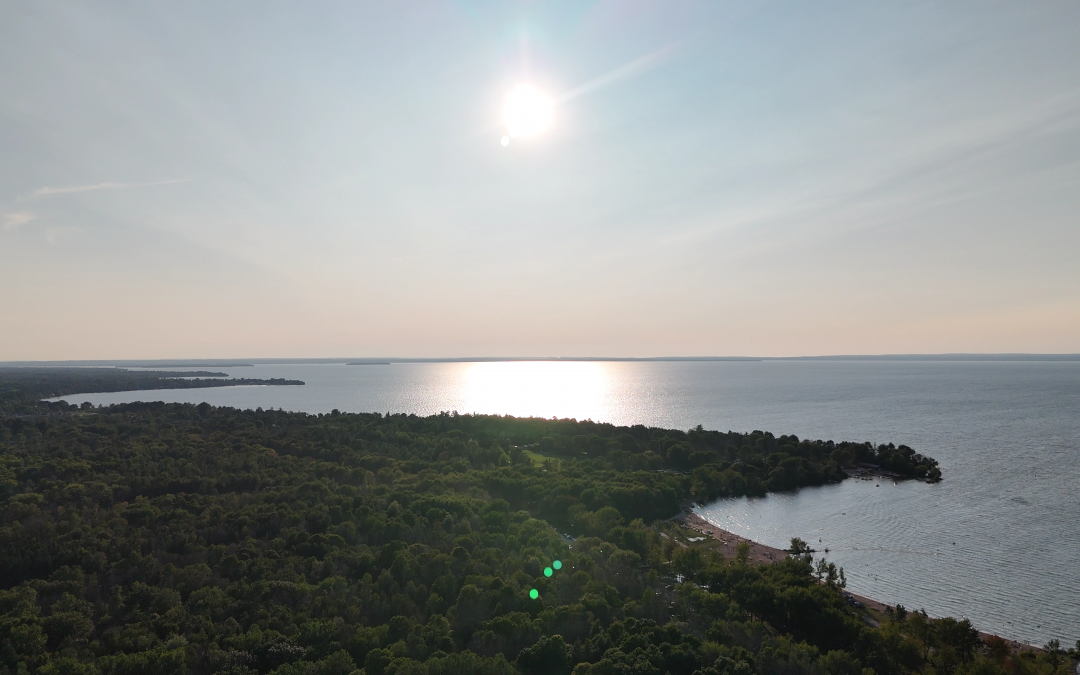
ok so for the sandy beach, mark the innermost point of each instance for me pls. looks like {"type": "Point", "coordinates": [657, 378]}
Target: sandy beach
{"type": "Point", "coordinates": [760, 553]}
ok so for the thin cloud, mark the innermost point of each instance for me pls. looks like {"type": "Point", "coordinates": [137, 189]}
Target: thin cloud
{"type": "Point", "coordinates": [46, 191]}
{"type": "Point", "coordinates": [624, 72]}
{"type": "Point", "coordinates": [18, 219]}
{"type": "Point", "coordinates": [56, 235]}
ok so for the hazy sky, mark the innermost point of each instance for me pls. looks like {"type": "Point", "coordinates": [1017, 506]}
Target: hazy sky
{"type": "Point", "coordinates": [229, 179]}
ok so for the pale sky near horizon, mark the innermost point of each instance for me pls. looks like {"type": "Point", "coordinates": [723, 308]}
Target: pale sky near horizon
{"type": "Point", "coordinates": [252, 179]}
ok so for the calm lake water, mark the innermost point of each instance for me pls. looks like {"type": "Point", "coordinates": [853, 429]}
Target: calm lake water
{"type": "Point", "coordinates": [998, 541]}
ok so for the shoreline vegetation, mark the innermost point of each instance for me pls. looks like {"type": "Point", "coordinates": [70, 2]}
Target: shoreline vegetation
{"type": "Point", "coordinates": [728, 545]}
{"type": "Point", "coordinates": [22, 389]}
{"type": "Point", "coordinates": [178, 538]}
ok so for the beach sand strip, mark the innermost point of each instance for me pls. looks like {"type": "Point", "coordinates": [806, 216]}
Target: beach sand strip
{"type": "Point", "coordinates": [760, 553]}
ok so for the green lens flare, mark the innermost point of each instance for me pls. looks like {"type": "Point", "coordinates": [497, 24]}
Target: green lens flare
{"type": "Point", "coordinates": [548, 572]}
{"type": "Point", "coordinates": [534, 594]}
{"type": "Point", "coordinates": [557, 564]}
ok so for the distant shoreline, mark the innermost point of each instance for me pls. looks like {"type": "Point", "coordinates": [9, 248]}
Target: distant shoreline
{"type": "Point", "coordinates": [226, 363]}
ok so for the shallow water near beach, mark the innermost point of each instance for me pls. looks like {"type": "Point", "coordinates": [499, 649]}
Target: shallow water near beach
{"type": "Point", "coordinates": [998, 541]}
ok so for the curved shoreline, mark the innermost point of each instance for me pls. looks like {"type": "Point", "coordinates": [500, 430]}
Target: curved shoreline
{"type": "Point", "coordinates": [760, 553]}
{"type": "Point", "coordinates": [764, 554]}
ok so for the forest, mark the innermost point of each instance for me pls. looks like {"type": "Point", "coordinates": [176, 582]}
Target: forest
{"type": "Point", "coordinates": [175, 538]}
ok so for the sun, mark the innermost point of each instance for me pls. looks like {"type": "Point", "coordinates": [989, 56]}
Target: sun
{"type": "Point", "coordinates": [526, 111]}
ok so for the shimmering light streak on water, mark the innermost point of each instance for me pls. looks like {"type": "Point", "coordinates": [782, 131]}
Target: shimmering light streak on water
{"type": "Point", "coordinates": [537, 389]}
{"type": "Point", "coordinates": [1007, 435]}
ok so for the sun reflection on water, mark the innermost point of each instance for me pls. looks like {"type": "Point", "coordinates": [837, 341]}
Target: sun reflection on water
{"type": "Point", "coordinates": [538, 389]}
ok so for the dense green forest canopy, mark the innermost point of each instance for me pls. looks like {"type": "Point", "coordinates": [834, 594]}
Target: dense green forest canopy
{"type": "Point", "coordinates": [154, 538]}
{"type": "Point", "coordinates": [21, 389]}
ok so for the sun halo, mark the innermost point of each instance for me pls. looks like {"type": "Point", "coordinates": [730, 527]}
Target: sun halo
{"type": "Point", "coordinates": [527, 111]}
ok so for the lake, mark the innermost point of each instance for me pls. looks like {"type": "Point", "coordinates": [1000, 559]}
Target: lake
{"type": "Point", "coordinates": [997, 541]}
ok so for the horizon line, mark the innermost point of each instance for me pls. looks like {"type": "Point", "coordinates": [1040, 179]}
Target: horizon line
{"type": "Point", "coordinates": [365, 360]}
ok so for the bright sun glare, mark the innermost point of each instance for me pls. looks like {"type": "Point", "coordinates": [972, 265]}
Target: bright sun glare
{"type": "Point", "coordinates": [541, 388]}
{"type": "Point", "coordinates": [527, 111]}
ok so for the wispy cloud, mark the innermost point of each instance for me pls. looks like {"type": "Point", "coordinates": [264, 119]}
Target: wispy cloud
{"type": "Point", "coordinates": [46, 191]}
{"type": "Point", "coordinates": [18, 219]}
{"type": "Point", "coordinates": [56, 235]}
{"type": "Point", "coordinates": [623, 72]}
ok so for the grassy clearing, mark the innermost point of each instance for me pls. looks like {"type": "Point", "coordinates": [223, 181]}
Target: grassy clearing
{"type": "Point", "coordinates": [539, 460]}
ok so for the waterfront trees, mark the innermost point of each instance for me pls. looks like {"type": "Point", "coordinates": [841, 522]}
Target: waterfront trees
{"type": "Point", "coordinates": [152, 538]}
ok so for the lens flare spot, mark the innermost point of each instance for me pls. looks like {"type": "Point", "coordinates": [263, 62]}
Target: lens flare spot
{"type": "Point", "coordinates": [534, 594]}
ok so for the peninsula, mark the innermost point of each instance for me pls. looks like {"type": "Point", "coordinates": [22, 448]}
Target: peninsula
{"type": "Point", "coordinates": [21, 389]}
{"type": "Point", "coordinates": [152, 537]}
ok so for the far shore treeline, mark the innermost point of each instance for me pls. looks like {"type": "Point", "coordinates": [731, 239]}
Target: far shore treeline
{"type": "Point", "coordinates": [21, 389]}
{"type": "Point", "coordinates": [154, 538]}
